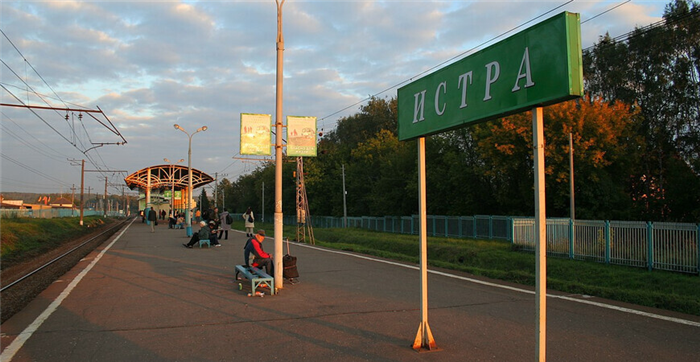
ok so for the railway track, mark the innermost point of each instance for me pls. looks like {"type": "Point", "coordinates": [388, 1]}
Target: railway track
{"type": "Point", "coordinates": [22, 283]}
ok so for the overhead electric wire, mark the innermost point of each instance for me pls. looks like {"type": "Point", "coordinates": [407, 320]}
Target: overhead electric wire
{"type": "Point", "coordinates": [36, 114]}
{"type": "Point", "coordinates": [448, 60]}
{"type": "Point", "coordinates": [31, 169]}
{"type": "Point", "coordinates": [31, 66]}
{"type": "Point", "coordinates": [6, 117]}
{"type": "Point", "coordinates": [606, 11]}
{"type": "Point", "coordinates": [468, 51]}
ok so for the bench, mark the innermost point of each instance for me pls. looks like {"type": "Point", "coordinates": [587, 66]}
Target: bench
{"type": "Point", "coordinates": [205, 241]}
{"type": "Point", "coordinates": [257, 277]}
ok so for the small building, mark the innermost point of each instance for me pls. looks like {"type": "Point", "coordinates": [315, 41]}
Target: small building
{"type": "Point", "coordinates": [62, 203]}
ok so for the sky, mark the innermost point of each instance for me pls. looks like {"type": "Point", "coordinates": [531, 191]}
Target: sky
{"type": "Point", "coordinates": [151, 64]}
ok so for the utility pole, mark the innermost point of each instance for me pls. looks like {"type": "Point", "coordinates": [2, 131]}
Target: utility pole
{"type": "Point", "coordinates": [72, 201]}
{"type": "Point", "coordinates": [279, 216]}
{"type": "Point", "coordinates": [216, 188]}
{"type": "Point", "coordinates": [82, 183]}
{"type": "Point", "coordinates": [345, 208]}
{"type": "Point", "coordinates": [82, 187]}
{"type": "Point", "coordinates": [105, 200]}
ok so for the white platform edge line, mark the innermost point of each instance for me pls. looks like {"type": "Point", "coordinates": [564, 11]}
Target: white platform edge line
{"type": "Point", "coordinates": [570, 299]}
{"type": "Point", "coordinates": [22, 338]}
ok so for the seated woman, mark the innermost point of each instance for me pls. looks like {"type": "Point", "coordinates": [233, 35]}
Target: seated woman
{"type": "Point", "coordinates": [180, 223]}
{"type": "Point", "coordinates": [213, 238]}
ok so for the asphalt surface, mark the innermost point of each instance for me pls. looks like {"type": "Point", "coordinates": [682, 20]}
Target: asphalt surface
{"type": "Point", "coordinates": [142, 296]}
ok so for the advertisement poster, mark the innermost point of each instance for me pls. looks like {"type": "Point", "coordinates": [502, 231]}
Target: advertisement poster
{"type": "Point", "coordinates": [256, 138]}
{"type": "Point", "coordinates": [167, 193]}
{"type": "Point", "coordinates": [301, 136]}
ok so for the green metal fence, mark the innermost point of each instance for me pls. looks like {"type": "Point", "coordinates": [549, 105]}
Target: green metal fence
{"type": "Point", "coordinates": [661, 246]}
{"type": "Point", "coordinates": [53, 212]}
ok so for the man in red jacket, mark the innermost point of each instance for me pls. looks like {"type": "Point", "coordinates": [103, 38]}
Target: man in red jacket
{"type": "Point", "coordinates": [262, 259]}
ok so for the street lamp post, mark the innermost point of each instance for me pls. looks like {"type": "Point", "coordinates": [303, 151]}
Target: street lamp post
{"type": "Point", "coordinates": [172, 184]}
{"type": "Point", "coordinates": [188, 217]}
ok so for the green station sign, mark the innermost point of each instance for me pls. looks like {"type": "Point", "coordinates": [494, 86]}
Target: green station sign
{"type": "Point", "coordinates": [539, 66]}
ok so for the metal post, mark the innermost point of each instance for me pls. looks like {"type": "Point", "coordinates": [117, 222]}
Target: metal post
{"type": "Point", "coordinates": [540, 233]}
{"type": "Point", "coordinates": [345, 208]}
{"type": "Point", "coordinates": [105, 203]}
{"type": "Point", "coordinates": [188, 212]}
{"type": "Point", "coordinates": [172, 190]}
{"type": "Point", "coordinates": [262, 204]}
{"type": "Point", "coordinates": [424, 337]}
{"type": "Point", "coordinates": [172, 184]}
{"type": "Point", "coordinates": [82, 187]}
{"type": "Point", "coordinates": [188, 216]}
{"type": "Point", "coordinates": [279, 216]}
{"type": "Point", "coordinates": [572, 208]}
{"type": "Point", "coordinates": [216, 189]}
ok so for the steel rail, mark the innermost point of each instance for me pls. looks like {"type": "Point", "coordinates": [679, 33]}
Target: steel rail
{"type": "Point", "coordinates": [62, 256]}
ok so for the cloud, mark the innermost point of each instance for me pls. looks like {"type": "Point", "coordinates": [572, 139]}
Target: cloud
{"type": "Point", "coordinates": [151, 64]}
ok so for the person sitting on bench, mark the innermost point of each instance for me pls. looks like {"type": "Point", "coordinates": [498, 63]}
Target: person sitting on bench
{"type": "Point", "coordinates": [262, 259]}
{"type": "Point", "coordinates": [202, 234]}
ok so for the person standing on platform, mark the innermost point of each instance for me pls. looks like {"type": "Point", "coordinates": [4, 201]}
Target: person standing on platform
{"type": "Point", "coordinates": [249, 222]}
{"type": "Point", "coordinates": [152, 218]}
{"type": "Point", "coordinates": [225, 222]}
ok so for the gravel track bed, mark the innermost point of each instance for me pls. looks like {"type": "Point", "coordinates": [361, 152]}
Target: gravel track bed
{"type": "Point", "coordinates": [18, 296]}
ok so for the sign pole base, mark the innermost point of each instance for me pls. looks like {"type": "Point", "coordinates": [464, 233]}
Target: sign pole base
{"type": "Point", "coordinates": [424, 341]}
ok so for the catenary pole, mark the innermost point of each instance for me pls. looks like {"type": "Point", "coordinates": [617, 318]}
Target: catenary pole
{"type": "Point", "coordinates": [82, 187]}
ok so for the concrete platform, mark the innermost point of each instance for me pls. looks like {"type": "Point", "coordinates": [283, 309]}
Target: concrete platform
{"type": "Point", "coordinates": [147, 298]}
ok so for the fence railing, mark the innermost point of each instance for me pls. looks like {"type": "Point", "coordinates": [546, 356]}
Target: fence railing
{"type": "Point", "coordinates": [661, 246]}
{"type": "Point", "coordinates": [53, 212]}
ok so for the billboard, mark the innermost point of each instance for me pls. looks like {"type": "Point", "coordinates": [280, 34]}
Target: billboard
{"type": "Point", "coordinates": [539, 66]}
{"type": "Point", "coordinates": [301, 136]}
{"type": "Point", "coordinates": [256, 138]}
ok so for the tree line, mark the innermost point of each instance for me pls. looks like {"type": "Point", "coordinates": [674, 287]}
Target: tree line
{"type": "Point", "coordinates": [636, 142]}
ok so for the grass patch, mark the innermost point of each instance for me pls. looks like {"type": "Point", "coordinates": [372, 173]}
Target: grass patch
{"type": "Point", "coordinates": [500, 260]}
{"type": "Point", "coordinates": [26, 238]}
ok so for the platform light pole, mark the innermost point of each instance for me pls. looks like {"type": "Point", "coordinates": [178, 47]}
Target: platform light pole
{"type": "Point", "coordinates": [188, 217]}
{"type": "Point", "coordinates": [172, 184]}
{"type": "Point", "coordinates": [279, 216]}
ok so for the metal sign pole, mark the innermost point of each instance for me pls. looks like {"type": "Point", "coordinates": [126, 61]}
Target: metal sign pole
{"type": "Point", "coordinates": [424, 338]}
{"type": "Point", "coordinates": [540, 233]}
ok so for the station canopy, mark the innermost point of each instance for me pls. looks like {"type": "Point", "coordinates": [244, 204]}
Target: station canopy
{"type": "Point", "coordinates": [164, 176]}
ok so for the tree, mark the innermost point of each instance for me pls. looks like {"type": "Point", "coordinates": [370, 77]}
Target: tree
{"type": "Point", "coordinates": [205, 205]}
{"type": "Point", "coordinates": [603, 145]}
{"type": "Point", "coordinates": [657, 70]}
